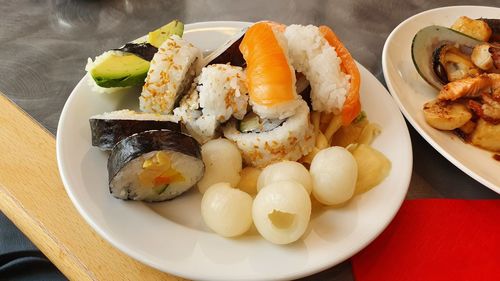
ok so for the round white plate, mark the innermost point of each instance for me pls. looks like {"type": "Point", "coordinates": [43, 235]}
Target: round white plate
{"type": "Point", "coordinates": [172, 237]}
{"type": "Point", "coordinates": [410, 91]}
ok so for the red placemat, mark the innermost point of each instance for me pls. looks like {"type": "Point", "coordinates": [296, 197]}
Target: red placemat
{"type": "Point", "coordinates": [436, 239]}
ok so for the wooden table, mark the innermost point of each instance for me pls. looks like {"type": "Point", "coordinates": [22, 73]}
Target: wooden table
{"type": "Point", "coordinates": [42, 57]}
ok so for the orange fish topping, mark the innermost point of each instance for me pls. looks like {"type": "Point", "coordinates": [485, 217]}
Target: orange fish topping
{"type": "Point", "coordinates": [269, 77]}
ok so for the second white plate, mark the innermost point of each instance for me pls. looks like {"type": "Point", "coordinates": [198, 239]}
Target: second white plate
{"type": "Point", "coordinates": [410, 92]}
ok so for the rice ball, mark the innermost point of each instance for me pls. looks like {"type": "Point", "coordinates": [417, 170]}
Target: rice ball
{"type": "Point", "coordinates": [285, 170]}
{"type": "Point", "coordinates": [281, 212]}
{"type": "Point", "coordinates": [334, 172]}
{"type": "Point", "coordinates": [222, 161]}
{"type": "Point", "coordinates": [226, 210]}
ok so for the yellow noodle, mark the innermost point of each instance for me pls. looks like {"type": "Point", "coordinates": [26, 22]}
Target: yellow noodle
{"type": "Point", "coordinates": [334, 125]}
{"type": "Point", "coordinates": [369, 132]}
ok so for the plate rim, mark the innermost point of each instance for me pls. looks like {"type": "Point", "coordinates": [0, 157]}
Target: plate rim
{"type": "Point", "coordinates": [135, 254]}
{"type": "Point", "coordinates": [409, 117]}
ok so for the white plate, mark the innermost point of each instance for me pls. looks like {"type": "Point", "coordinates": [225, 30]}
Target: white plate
{"type": "Point", "coordinates": [410, 91]}
{"type": "Point", "coordinates": [171, 236]}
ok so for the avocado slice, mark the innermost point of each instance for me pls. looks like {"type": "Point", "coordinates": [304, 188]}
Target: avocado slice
{"type": "Point", "coordinates": [158, 36]}
{"type": "Point", "coordinates": [115, 69]}
{"type": "Point", "coordinates": [120, 68]}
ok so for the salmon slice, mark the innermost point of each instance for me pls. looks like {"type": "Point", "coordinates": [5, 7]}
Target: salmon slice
{"type": "Point", "coordinates": [269, 76]}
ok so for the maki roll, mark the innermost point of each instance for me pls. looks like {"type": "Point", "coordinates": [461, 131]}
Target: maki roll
{"type": "Point", "coordinates": [153, 166]}
{"type": "Point", "coordinates": [218, 94]}
{"type": "Point", "coordinates": [223, 92]}
{"type": "Point", "coordinates": [264, 141]}
{"type": "Point", "coordinates": [170, 74]}
{"type": "Point", "coordinates": [109, 128]}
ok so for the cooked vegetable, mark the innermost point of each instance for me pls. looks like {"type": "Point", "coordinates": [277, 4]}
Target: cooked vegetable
{"type": "Point", "coordinates": [334, 172]}
{"type": "Point", "coordinates": [226, 210]}
{"type": "Point", "coordinates": [481, 56]}
{"type": "Point", "coordinates": [477, 29]}
{"type": "Point", "coordinates": [444, 115]}
{"type": "Point", "coordinates": [373, 166]}
{"type": "Point", "coordinates": [425, 43]}
{"type": "Point", "coordinates": [487, 136]}
{"type": "Point", "coordinates": [222, 163]}
{"type": "Point", "coordinates": [281, 212]}
{"type": "Point", "coordinates": [285, 171]}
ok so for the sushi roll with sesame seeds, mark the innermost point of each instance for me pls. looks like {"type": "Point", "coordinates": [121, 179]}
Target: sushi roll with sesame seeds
{"type": "Point", "coordinates": [223, 92]}
{"type": "Point", "coordinates": [218, 94]}
{"type": "Point", "coordinates": [264, 141]}
{"type": "Point", "coordinates": [170, 74]}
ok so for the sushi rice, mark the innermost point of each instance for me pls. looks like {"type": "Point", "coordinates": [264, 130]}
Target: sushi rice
{"type": "Point", "coordinates": [289, 141]}
{"type": "Point", "coordinates": [222, 92]}
{"type": "Point", "coordinates": [311, 55]}
{"type": "Point", "coordinates": [216, 95]}
{"type": "Point", "coordinates": [170, 74]}
{"type": "Point", "coordinates": [258, 60]}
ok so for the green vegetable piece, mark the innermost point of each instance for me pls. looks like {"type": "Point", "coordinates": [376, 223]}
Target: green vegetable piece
{"type": "Point", "coordinates": [158, 36]}
{"type": "Point", "coordinates": [161, 189]}
{"type": "Point", "coordinates": [123, 69]}
{"type": "Point", "coordinates": [117, 70]}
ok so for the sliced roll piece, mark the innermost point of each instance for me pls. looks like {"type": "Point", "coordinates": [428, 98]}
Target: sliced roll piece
{"type": "Point", "coordinates": [153, 166]}
{"type": "Point", "coordinates": [170, 74]}
{"type": "Point", "coordinates": [202, 128]}
{"type": "Point", "coordinates": [109, 128]}
{"type": "Point", "coordinates": [217, 94]}
{"type": "Point", "coordinates": [223, 92]}
{"type": "Point", "coordinates": [272, 141]}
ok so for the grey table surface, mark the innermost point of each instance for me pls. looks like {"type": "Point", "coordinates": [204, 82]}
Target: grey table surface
{"type": "Point", "coordinates": [45, 45]}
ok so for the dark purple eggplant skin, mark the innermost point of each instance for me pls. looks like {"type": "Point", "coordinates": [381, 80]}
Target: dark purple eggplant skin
{"type": "Point", "coordinates": [231, 55]}
{"type": "Point", "coordinates": [108, 132]}
{"type": "Point", "coordinates": [494, 24]}
{"type": "Point", "coordinates": [143, 50]}
{"type": "Point", "coordinates": [144, 142]}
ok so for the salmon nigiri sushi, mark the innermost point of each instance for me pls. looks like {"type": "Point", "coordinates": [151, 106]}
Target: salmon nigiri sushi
{"type": "Point", "coordinates": [330, 69]}
{"type": "Point", "coordinates": [270, 76]}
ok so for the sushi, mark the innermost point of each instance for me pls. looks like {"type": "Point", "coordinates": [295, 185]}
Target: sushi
{"type": "Point", "coordinates": [270, 76]}
{"type": "Point", "coordinates": [153, 166]}
{"type": "Point", "coordinates": [170, 75]}
{"type": "Point", "coordinates": [127, 66]}
{"type": "Point", "coordinates": [223, 92]}
{"type": "Point", "coordinates": [333, 75]}
{"type": "Point", "coordinates": [264, 141]}
{"type": "Point", "coordinates": [109, 128]}
{"type": "Point", "coordinates": [218, 94]}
